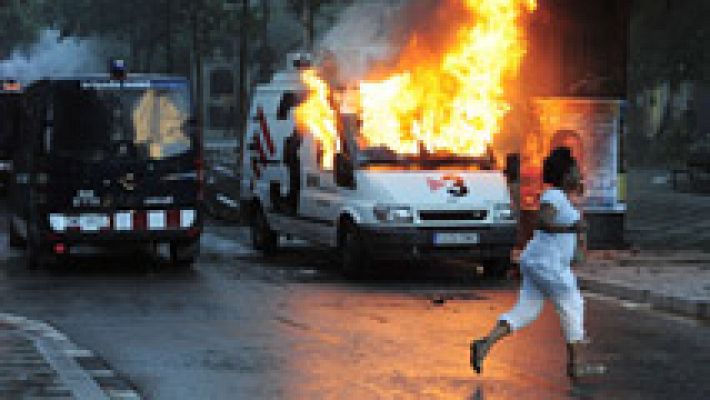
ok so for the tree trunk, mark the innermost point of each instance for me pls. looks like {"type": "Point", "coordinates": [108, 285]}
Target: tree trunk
{"type": "Point", "coordinates": [168, 36]}
{"type": "Point", "coordinates": [197, 54]}
{"type": "Point", "coordinates": [308, 25]}
{"type": "Point", "coordinates": [243, 101]}
{"type": "Point", "coordinates": [265, 53]}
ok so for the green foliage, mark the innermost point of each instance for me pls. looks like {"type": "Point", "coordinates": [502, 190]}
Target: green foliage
{"type": "Point", "coordinates": [154, 35]}
{"type": "Point", "coordinates": [146, 28]}
{"type": "Point", "coordinates": [22, 20]}
{"type": "Point", "coordinates": [298, 5]}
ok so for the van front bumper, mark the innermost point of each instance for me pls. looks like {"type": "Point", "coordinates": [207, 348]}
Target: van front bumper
{"type": "Point", "coordinates": [415, 243]}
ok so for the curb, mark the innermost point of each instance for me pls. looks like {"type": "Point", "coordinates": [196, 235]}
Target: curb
{"type": "Point", "coordinates": [688, 307]}
{"type": "Point", "coordinates": [86, 375]}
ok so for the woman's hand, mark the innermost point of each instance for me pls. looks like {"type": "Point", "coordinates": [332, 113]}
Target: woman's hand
{"type": "Point", "coordinates": [580, 252]}
{"type": "Point", "coordinates": [580, 226]}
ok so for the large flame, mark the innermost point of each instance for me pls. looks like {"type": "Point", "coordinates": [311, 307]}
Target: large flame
{"type": "Point", "coordinates": [451, 101]}
{"type": "Point", "coordinates": [316, 115]}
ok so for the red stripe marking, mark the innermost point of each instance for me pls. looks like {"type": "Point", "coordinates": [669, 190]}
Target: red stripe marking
{"type": "Point", "coordinates": [262, 154]}
{"type": "Point", "coordinates": [140, 222]}
{"type": "Point", "coordinates": [173, 219]}
{"type": "Point", "coordinates": [255, 167]}
{"type": "Point", "coordinates": [265, 130]}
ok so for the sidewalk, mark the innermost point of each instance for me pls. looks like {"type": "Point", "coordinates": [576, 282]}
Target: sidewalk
{"type": "Point", "coordinates": [38, 362]}
{"type": "Point", "coordinates": [671, 281]}
{"type": "Point", "coordinates": [659, 217]}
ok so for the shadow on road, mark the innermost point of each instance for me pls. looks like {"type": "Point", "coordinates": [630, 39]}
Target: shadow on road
{"type": "Point", "coordinates": [310, 264]}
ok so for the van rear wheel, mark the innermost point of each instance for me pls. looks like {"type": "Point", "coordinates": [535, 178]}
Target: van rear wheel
{"type": "Point", "coordinates": [263, 238]}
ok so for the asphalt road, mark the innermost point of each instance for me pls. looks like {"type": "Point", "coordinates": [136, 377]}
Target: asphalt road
{"type": "Point", "coordinates": [239, 327]}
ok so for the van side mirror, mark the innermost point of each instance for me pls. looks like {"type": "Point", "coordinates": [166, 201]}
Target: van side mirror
{"type": "Point", "coordinates": [344, 171]}
{"type": "Point", "coordinates": [512, 167]}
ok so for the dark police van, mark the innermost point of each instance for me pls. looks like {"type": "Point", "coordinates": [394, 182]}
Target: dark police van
{"type": "Point", "coordinates": [104, 162]}
{"type": "Point", "coordinates": [10, 91]}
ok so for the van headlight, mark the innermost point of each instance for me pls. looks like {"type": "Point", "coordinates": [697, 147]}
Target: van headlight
{"type": "Point", "coordinates": [394, 214]}
{"type": "Point", "coordinates": [503, 212]}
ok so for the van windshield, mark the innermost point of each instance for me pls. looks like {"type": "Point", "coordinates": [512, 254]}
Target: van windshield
{"type": "Point", "coordinates": [383, 158]}
{"type": "Point", "coordinates": [94, 121]}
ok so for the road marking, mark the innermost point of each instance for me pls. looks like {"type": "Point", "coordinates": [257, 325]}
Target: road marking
{"type": "Point", "coordinates": [76, 378]}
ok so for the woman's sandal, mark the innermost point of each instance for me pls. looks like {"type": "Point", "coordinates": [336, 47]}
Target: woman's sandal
{"type": "Point", "coordinates": [477, 355]}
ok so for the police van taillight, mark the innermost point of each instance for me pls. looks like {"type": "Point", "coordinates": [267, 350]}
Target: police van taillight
{"type": "Point", "coordinates": [117, 69]}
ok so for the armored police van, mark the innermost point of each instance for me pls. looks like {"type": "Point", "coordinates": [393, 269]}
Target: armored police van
{"type": "Point", "coordinates": [103, 160]}
{"type": "Point", "coordinates": [372, 204]}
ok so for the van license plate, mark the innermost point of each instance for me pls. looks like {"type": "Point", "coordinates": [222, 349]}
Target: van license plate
{"type": "Point", "coordinates": [92, 222]}
{"type": "Point", "coordinates": [455, 238]}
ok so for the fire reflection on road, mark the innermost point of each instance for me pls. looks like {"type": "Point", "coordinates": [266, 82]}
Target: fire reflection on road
{"type": "Point", "coordinates": [363, 344]}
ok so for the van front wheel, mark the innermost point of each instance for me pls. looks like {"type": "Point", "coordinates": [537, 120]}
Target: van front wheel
{"type": "Point", "coordinates": [497, 268]}
{"type": "Point", "coordinates": [354, 259]}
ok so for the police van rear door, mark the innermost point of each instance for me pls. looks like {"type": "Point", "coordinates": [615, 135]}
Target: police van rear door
{"type": "Point", "coordinates": [122, 145]}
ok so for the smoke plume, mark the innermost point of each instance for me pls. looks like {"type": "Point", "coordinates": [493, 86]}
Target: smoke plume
{"type": "Point", "coordinates": [371, 35]}
{"type": "Point", "coordinates": [361, 38]}
{"type": "Point", "coordinates": [51, 56]}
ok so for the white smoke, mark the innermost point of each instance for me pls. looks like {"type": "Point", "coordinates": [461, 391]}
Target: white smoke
{"type": "Point", "coordinates": [361, 37]}
{"type": "Point", "coordinates": [52, 56]}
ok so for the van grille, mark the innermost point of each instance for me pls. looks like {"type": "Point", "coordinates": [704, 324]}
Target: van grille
{"type": "Point", "coordinates": [457, 215]}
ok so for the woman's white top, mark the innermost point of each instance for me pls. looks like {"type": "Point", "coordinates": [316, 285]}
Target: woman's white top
{"type": "Point", "coordinates": [563, 245]}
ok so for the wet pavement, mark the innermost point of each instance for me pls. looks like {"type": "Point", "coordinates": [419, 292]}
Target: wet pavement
{"type": "Point", "coordinates": [291, 327]}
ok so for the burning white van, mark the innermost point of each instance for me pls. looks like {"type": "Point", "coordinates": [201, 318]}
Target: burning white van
{"type": "Point", "coordinates": [369, 203]}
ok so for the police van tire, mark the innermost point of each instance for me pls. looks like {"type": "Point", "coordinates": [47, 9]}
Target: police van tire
{"type": "Point", "coordinates": [15, 240]}
{"type": "Point", "coordinates": [182, 255]}
{"type": "Point", "coordinates": [33, 256]}
{"type": "Point", "coordinates": [263, 238]}
{"type": "Point", "coordinates": [354, 260]}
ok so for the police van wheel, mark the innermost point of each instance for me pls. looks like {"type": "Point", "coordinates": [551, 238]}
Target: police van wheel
{"type": "Point", "coordinates": [263, 238]}
{"type": "Point", "coordinates": [15, 240]}
{"type": "Point", "coordinates": [32, 248]}
{"type": "Point", "coordinates": [182, 255]}
{"type": "Point", "coordinates": [31, 258]}
{"type": "Point", "coordinates": [354, 261]}
{"type": "Point", "coordinates": [36, 258]}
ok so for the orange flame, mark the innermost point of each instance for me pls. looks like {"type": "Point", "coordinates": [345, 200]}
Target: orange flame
{"type": "Point", "coordinates": [452, 101]}
{"type": "Point", "coordinates": [316, 115]}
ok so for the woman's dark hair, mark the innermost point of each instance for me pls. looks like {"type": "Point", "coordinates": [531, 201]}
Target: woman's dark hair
{"type": "Point", "coordinates": [556, 165]}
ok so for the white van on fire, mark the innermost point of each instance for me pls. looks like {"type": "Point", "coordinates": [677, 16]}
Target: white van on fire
{"type": "Point", "coordinates": [370, 204]}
